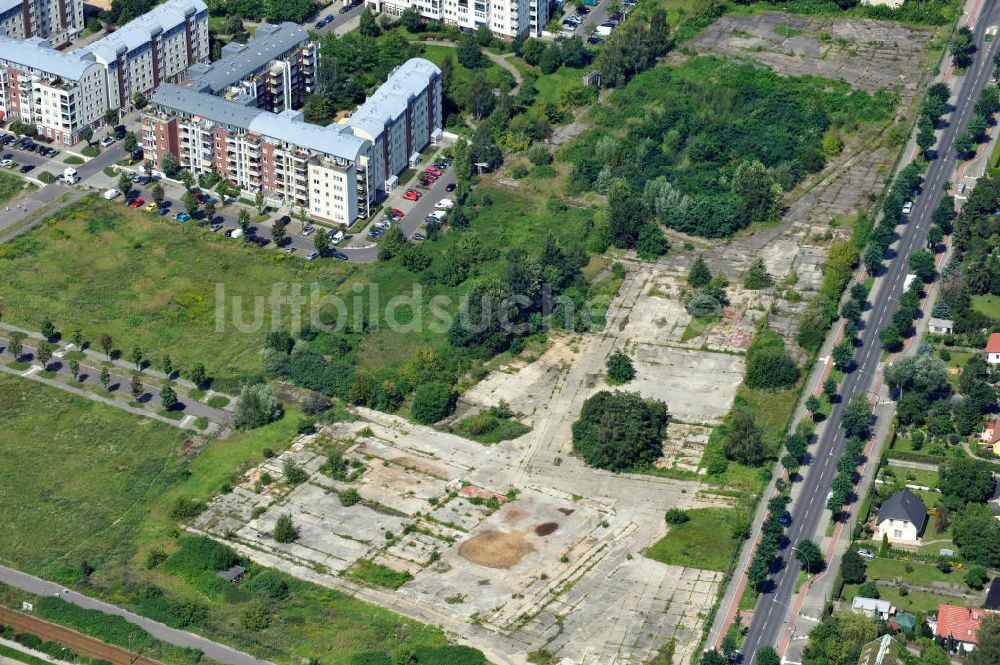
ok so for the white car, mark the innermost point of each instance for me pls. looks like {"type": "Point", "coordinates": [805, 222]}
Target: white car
{"type": "Point", "coordinates": [112, 194]}
{"type": "Point", "coordinates": [7, 163]}
{"type": "Point", "coordinates": [312, 256]}
{"type": "Point", "coordinates": [107, 140]}
{"type": "Point", "coordinates": [308, 229]}
{"type": "Point", "coordinates": [444, 204]}
{"type": "Point", "coordinates": [907, 207]}
{"type": "Point", "coordinates": [237, 233]}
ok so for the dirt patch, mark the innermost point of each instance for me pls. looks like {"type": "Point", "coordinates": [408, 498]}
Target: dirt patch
{"type": "Point", "coordinates": [513, 516]}
{"type": "Point", "coordinates": [546, 528]}
{"type": "Point", "coordinates": [567, 511]}
{"type": "Point", "coordinates": [495, 549]}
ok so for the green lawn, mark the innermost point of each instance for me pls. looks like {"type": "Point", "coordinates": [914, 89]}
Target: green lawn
{"type": "Point", "coordinates": [11, 186]}
{"type": "Point", "coordinates": [988, 305]}
{"type": "Point", "coordinates": [487, 428]}
{"type": "Point", "coordinates": [914, 601]}
{"type": "Point", "coordinates": [54, 445]}
{"type": "Point", "coordinates": [922, 574]}
{"type": "Point", "coordinates": [910, 476]}
{"type": "Point", "coordinates": [705, 541]}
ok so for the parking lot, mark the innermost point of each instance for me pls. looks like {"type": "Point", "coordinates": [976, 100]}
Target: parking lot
{"type": "Point", "coordinates": [596, 18]}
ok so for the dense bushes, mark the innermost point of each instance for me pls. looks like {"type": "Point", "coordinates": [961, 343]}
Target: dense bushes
{"type": "Point", "coordinates": [432, 402]}
{"type": "Point", "coordinates": [693, 129]}
{"type": "Point", "coordinates": [769, 365]}
{"type": "Point", "coordinates": [620, 430]}
{"type": "Point", "coordinates": [815, 320]}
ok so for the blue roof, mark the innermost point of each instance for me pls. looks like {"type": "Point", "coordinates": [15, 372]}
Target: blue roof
{"type": "Point", "coordinates": [35, 53]}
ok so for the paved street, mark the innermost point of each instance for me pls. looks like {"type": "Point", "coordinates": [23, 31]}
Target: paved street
{"type": "Point", "coordinates": [120, 382]}
{"type": "Point", "coordinates": [181, 638]}
{"type": "Point", "coordinates": [809, 513]}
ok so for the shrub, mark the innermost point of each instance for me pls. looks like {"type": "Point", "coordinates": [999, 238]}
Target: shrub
{"type": "Point", "coordinates": [676, 516]}
{"type": "Point", "coordinates": [620, 430]}
{"type": "Point", "coordinates": [257, 406]}
{"type": "Point", "coordinates": [349, 497]}
{"type": "Point", "coordinates": [185, 509]}
{"type": "Point", "coordinates": [294, 474]}
{"type": "Point", "coordinates": [269, 584]}
{"type": "Point", "coordinates": [620, 369]}
{"type": "Point", "coordinates": [284, 529]}
{"type": "Point", "coordinates": [432, 401]}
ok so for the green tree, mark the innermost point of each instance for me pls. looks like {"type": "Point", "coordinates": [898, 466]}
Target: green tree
{"type": "Point", "coordinates": [411, 20]}
{"type": "Point", "coordinates": [284, 529]}
{"type": "Point", "coordinates": [367, 25]}
{"type": "Point", "coordinates": [968, 479]}
{"type": "Point", "coordinates": [830, 388]}
{"type": "Point", "coordinates": [210, 211]}
{"type": "Point", "coordinates": [105, 377]}
{"type": "Point", "coordinates": [74, 368]}
{"type": "Point", "coordinates": [15, 343]}
{"type": "Point", "coordinates": [756, 276]}
{"type": "Point", "coordinates": [256, 617]}
{"type": "Point", "coordinates": [620, 369]}
{"type": "Point", "coordinates": [843, 355]}
{"type": "Point", "coordinates": [136, 386]}
{"type": "Point", "coordinates": [960, 45]}
{"type": "Point", "coordinates": [321, 242]}
{"type": "Point", "coordinates": [651, 243]}
{"type": "Point", "coordinates": [921, 263]}
{"type": "Point", "coordinates": [137, 357]}
{"type": "Point", "coordinates": [432, 402]}
{"type": "Point", "coordinates": [759, 192]}
{"type": "Point", "coordinates": [44, 353]}
{"type": "Point", "coordinates": [190, 202]}
{"type": "Point", "coordinates": [168, 398]}
{"type": "Point", "coordinates": [699, 275]}
{"type": "Point", "coordinates": [124, 183]}
{"type": "Point", "coordinates": [256, 406]}
{"type": "Point", "coordinates": [770, 368]}
{"type": "Point", "coordinates": [987, 651]}
{"type": "Point", "coordinates": [131, 143]}
{"type": "Point", "coordinates": [743, 441]}
{"type": "Point", "coordinates": [168, 366]}
{"type": "Point", "coordinates": [48, 329]}
{"type": "Point", "coordinates": [856, 418]}
{"type": "Point", "coordinates": [627, 214]}
{"type": "Point", "coordinates": [278, 233]}
{"type": "Point", "coordinates": [157, 193]}
{"type": "Point", "coordinates": [468, 52]}
{"type": "Point", "coordinates": [812, 405]}
{"type": "Point", "coordinates": [258, 201]}
{"type": "Point", "coordinates": [766, 655]}
{"type": "Point", "coordinates": [853, 568]}
{"type": "Point", "coordinates": [890, 338]}
{"type": "Point", "coordinates": [77, 338]}
{"type": "Point", "coordinates": [620, 430]}
{"type": "Point", "coordinates": [197, 375]}
{"type": "Point", "coordinates": [243, 219]}
{"type": "Point", "coordinates": [810, 556]}
{"type": "Point", "coordinates": [977, 576]}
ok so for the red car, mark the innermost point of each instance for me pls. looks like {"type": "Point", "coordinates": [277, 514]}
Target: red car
{"type": "Point", "coordinates": [431, 178]}
{"type": "Point", "coordinates": [432, 170]}
{"type": "Point", "coordinates": [135, 203]}
{"type": "Point", "coordinates": [411, 195]}
{"type": "Point", "coordinates": [396, 212]}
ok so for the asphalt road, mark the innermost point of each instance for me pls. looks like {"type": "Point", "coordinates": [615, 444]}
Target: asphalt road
{"type": "Point", "coordinates": [90, 373]}
{"type": "Point", "coordinates": [181, 638]}
{"type": "Point", "coordinates": [809, 513]}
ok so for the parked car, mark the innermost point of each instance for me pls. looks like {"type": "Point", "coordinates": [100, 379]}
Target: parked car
{"type": "Point", "coordinates": [110, 195]}
{"type": "Point", "coordinates": [308, 229]}
{"type": "Point", "coordinates": [26, 168]}
{"type": "Point", "coordinates": [445, 204]}
{"type": "Point", "coordinates": [312, 255]}
{"type": "Point", "coordinates": [261, 242]}
{"type": "Point", "coordinates": [107, 140]}
{"type": "Point", "coordinates": [907, 207]}
{"type": "Point", "coordinates": [216, 227]}
{"type": "Point", "coordinates": [164, 211]}
{"type": "Point", "coordinates": [397, 213]}
{"type": "Point", "coordinates": [786, 518]}
{"type": "Point", "coordinates": [451, 187]}
{"type": "Point", "coordinates": [183, 217]}
{"type": "Point", "coordinates": [866, 554]}
{"type": "Point", "coordinates": [8, 163]}
{"type": "Point", "coordinates": [411, 195]}
{"type": "Point", "coordinates": [152, 207]}
{"type": "Point", "coordinates": [433, 170]}
{"type": "Point", "coordinates": [419, 236]}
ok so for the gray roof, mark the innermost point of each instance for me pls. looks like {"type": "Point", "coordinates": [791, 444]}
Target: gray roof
{"type": "Point", "coordinates": [904, 505]}
{"type": "Point", "coordinates": [390, 100]}
{"type": "Point", "coordinates": [335, 140]}
{"type": "Point", "coordinates": [233, 573]}
{"type": "Point", "coordinates": [935, 322]}
{"type": "Point", "coordinates": [871, 605]}
{"type": "Point", "coordinates": [35, 53]}
{"type": "Point", "coordinates": [240, 61]}
{"type": "Point", "coordinates": [194, 103]}
{"type": "Point", "coordinates": [137, 32]}
{"type": "Point", "coordinates": [9, 5]}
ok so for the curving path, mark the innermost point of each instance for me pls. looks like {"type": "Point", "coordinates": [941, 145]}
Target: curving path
{"type": "Point", "coordinates": [498, 59]}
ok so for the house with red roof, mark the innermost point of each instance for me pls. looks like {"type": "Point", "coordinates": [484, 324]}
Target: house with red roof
{"type": "Point", "coordinates": [993, 349]}
{"type": "Point", "coordinates": [960, 623]}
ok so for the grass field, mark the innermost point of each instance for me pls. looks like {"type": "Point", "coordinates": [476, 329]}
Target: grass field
{"type": "Point", "coordinates": [914, 601]}
{"type": "Point", "coordinates": [922, 574]}
{"type": "Point", "coordinates": [61, 515]}
{"type": "Point", "coordinates": [705, 541]}
{"type": "Point", "coordinates": [988, 305]}
{"type": "Point", "coordinates": [11, 186]}
{"type": "Point", "coordinates": [909, 476]}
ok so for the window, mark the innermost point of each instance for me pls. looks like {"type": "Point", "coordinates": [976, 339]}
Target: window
{"type": "Point", "coordinates": [897, 534]}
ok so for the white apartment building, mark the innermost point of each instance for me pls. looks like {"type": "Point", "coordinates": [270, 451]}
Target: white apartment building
{"type": "Point", "coordinates": [55, 20]}
{"type": "Point", "coordinates": [399, 119]}
{"type": "Point", "coordinates": [59, 92]}
{"type": "Point", "coordinates": [506, 18]}
{"type": "Point", "coordinates": [335, 174]}
{"type": "Point", "coordinates": [156, 47]}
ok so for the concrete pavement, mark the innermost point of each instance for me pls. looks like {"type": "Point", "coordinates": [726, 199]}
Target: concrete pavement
{"type": "Point", "coordinates": [181, 638]}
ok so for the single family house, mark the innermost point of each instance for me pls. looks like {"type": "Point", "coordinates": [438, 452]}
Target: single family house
{"type": "Point", "coordinates": [993, 349]}
{"type": "Point", "coordinates": [901, 519]}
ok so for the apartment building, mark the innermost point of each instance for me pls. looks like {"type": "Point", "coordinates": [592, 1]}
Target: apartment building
{"type": "Point", "coordinates": [334, 174]}
{"type": "Point", "coordinates": [400, 119]}
{"type": "Point", "coordinates": [59, 92]}
{"type": "Point", "coordinates": [321, 170]}
{"type": "Point", "coordinates": [156, 47]}
{"type": "Point", "coordinates": [506, 18]}
{"type": "Point", "coordinates": [274, 71]}
{"type": "Point", "coordinates": [55, 20]}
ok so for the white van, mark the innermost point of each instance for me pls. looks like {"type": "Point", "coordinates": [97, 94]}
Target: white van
{"type": "Point", "coordinates": [439, 215]}
{"type": "Point", "coordinates": [445, 204]}
{"type": "Point", "coordinates": [112, 194]}
{"type": "Point", "coordinates": [237, 233]}
{"type": "Point", "coordinates": [70, 175]}
{"type": "Point", "coordinates": [337, 237]}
